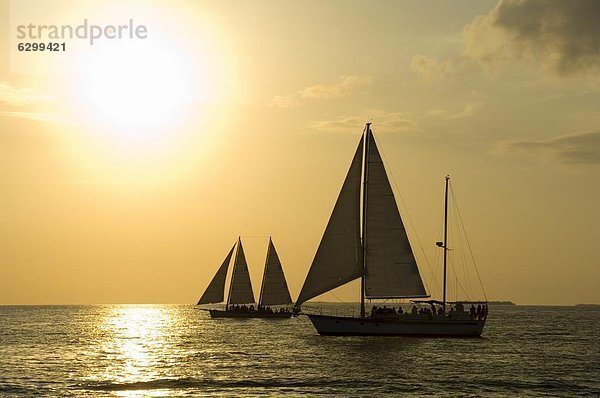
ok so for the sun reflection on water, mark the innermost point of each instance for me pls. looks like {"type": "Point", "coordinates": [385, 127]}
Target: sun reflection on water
{"type": "Point", "coordinates": [137, 340]}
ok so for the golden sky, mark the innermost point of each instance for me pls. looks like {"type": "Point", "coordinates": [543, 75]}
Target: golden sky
{"type": "Point", "coordinates": [129, 167]}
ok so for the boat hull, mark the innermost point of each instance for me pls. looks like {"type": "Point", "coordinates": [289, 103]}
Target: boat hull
{"type": "Point", "coordinates": [254, 314]}
{"type": "Point", "coordinates": [348, 326]}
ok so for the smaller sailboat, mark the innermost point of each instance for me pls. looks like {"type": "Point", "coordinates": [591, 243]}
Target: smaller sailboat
{"type": "Point", "coordinates": [240, 300]}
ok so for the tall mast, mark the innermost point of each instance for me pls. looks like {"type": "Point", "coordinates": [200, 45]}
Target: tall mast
{"type": "Point", "coordinates": [445, 235]}
{"type": "Point", "coordinates": [262, 286]}
{"type": "Point", "coordinates": [237, 252]}
{"type": "Point", "coordinates": [364, 220]}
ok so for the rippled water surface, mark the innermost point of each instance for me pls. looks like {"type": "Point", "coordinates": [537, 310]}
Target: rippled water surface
{"type": "Point", "coordinates": [176, 350]}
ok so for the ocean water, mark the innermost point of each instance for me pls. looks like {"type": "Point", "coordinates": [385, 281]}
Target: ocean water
{"type": "Point", "coordinates": [177, 350]}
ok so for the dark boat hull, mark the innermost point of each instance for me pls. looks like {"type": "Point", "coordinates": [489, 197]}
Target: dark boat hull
{"type": "Point", "coordinates": [440, 327]}
{"type": "Point", "coordinates": [254, 314]}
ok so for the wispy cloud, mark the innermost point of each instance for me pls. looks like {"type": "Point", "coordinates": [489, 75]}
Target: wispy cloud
{"type": "Point", "coordinates": [430, 69]}
{"type": "Point", "coordinates": [469, 110]}
{"type": "Point", "coordinates": [583, 148]}
{"type": "Point", "coordinates": [340, 124]}
{"type": "Point", "coordinates": [395, 121]}
{"type": "Point", "coordinates": [347, 86]}
{"type": "Point", "coordinates": [472, 103]}
{"type": "Point", "coordinates": [285, 101]}
{"type": "Point", "coordinates": [13, 96]}
{"type": "Point", "coordinates": [24, 103]}
{"type": "Point", "coordinates": [46, 117]}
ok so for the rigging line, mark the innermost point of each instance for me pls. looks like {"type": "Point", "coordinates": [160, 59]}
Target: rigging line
{"type": "Point", "coordinates": [458, 285]}
{"type": "Point", "coordinates": [333, 294]}
{"type": "Point", "coordinates": [451, 276]}
{"type": "Point", "coordinates": [463, 256]}
{"type": "Point", "coordinates": [405, 208]}
{"type": "Point", "coordinates": [456, 258]}
{"type": "Point", "coordinates": [467, 239]}
{"type": "Point", "coordinates": [451, 265]}
{"type": "Point", "coordinates": [460, 252]}
{"type": "Point", "coordinates": [457, 210]}
{"type": "Point", "coordinates": [453, 268]}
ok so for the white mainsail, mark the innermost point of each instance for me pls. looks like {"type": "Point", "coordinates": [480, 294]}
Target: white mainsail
{"type": "Point", "coordinates": [338, 258]}
{"type": "Point", "coordinates": [240, 291]}
{"type": "Point", "coordinates": [391, 269]}
{"type": "Point", "coordinates": [216, 288]}
{"type": "Point", "coordinates": [274, 290]}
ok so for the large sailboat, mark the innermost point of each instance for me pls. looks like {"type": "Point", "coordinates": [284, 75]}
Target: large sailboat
{"type": "Point", "coordinates": [380, 254]}
{"type": "Point", "coordinates": [240, 300]}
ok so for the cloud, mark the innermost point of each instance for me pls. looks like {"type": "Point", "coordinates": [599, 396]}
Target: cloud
{"type": "Point", "coordinates": [13, 96]}
{"type": "Point", "coordinates": [397, 121]}
{"type": "Point", "coordinates": [469, 110]}
{"type": "Point", "coordinates": [347, 86]}
{"type": "Point", "coordinates": [18, 102]}
{"type": "Point", "coordinates": [563, 35]}
{"type": "Point", "coordinates": [285, 101]}
{"type": "Point", "coordinates": [341, 124]}
{"type": "Point", "coordinates": [430, 69]}
{"type": "Point", "coordinates": [47, 117]}
{"type": "Point", "coordinates": [473, 101]}
{"type": "Point", "coordinates": [583, 148]}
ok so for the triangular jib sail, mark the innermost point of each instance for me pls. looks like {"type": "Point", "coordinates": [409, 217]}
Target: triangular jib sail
{"type": "Point", "coordinates": [216, 289]}
{"type": "Point", "coordinates": [274, 290]}
{"type": "Point", "coordinates": [240, 291]}
{"type": "Point", "coordinates": [338, 258]}
{"type": "Point", "coordinates": [391, 269]}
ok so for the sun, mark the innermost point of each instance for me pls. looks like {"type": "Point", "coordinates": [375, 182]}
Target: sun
{"type": "Point", "coordinates": [135, 87]}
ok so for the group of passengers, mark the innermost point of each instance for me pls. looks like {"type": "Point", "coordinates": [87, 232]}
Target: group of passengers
{"type": "Point", "coordinates": [427, 311]}
{"type": "Point", "coordinates": [270, 310]}
{"type": "Point", "coordinates": [480, 312]}
{"type": "Point", "coordinates": [385, 311]}
{"type": "Point", "coordinates": [241, 308]}
{"type": "Point", "coordinates": [378, 312]}
{"type": "Point", "coordinates": [260, 308]}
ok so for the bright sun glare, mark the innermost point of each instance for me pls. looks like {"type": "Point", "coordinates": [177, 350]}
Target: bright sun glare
{"type": "Point", "coordinates": [135, 87]}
